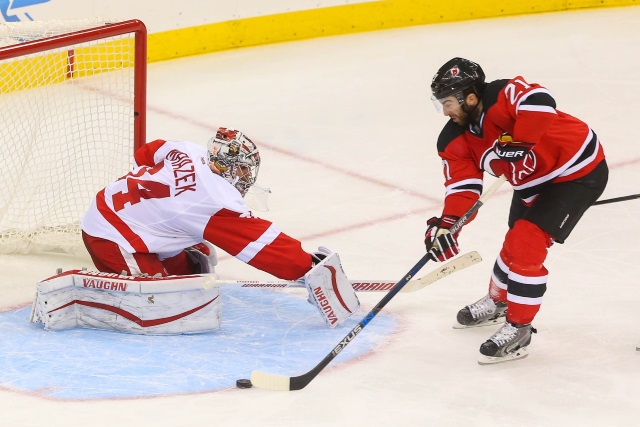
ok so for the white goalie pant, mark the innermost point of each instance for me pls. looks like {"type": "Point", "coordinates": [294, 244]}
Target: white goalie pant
{"type": "Point", "coordinates": [139, 305]}
{"type": "Point", "coordinates": [331, 291]}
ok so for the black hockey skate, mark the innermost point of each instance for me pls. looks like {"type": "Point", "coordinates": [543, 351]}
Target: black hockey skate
{"type": "Point", "coordinates": [509, 343]}
{"type": "Point", "coordinates": [483, 312]}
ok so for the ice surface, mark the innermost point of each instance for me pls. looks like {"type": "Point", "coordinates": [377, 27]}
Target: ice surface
{"type": "Point", "coordinates": [347, 135]}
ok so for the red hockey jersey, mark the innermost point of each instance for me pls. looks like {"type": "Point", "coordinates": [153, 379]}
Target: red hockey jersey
{"type": "Point", "coordinates": [565, 148]}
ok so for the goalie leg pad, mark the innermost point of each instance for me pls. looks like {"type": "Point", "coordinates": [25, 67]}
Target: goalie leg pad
{"type": "Point", "coordinates": [331, 291]}
{"type": "Point", "coordinates": [139, 305]}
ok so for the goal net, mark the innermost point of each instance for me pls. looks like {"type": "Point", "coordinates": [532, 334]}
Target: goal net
{"type": "Point", "coordinates": [72, 108]}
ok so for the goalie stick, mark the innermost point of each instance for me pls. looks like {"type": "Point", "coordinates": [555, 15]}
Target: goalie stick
{"type": "Point", "coordinates": [269, 381]}
{"type": "Point", "coordinates": [457, 264]}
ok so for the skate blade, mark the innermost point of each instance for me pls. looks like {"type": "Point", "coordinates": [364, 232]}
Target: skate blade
{"type": "Point", "coordinates": [498, 321]}
{"type": "Point", "coordinates": [521, 353]}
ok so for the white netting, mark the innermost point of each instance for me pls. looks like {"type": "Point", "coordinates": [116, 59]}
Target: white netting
{"type": "Point", "coordinates": [67, 119]}
{"type": "Point", "coordinates": [19, 32]}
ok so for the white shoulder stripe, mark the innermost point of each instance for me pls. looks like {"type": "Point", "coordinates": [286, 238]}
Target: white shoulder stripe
{"type": "Point", "coordinates": [527, 95]}
{"type": "Point", "coordinates": [538, 108]}
{"type": "Point", "coordinates": [253, 248]}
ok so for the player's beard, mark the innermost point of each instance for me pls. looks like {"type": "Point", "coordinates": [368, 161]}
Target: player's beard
{"type": "Point", "coordinates": [468, 115]}
{"type": "Point", "coordinates": [463, 119]}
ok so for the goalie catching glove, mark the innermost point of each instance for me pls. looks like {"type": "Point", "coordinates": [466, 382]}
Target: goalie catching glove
{"type": "Point", "coordinates": [203, 257]}
{"type": "Point", "coordinates": [440, 243]}
{"type": "Point", "coordinates": [329, 288]}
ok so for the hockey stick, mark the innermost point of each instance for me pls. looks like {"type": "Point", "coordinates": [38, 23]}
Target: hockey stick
{"type": "Point", "coordinates": [617, 199]}
{"type": "Point", "coordinates": [460, 263]}
{"type": "Point", "coordinates": [457, 264]}
{"type": "Point", "coordinates": [282, 382]}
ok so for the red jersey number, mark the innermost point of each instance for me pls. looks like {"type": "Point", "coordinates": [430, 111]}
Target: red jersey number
{"type": "Point", "coordinates": [138, 189]}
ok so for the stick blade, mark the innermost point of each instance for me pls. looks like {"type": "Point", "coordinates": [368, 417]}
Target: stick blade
{"type": "Point", "coordinates": [456, 264]}
{"type": "Point", "coordinates": [270, 381]}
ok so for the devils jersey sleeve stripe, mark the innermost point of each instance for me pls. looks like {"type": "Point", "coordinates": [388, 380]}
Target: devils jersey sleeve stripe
{"type": "Point", "coordinates": [537, 100]}
{"type": "Point", "coordinates": [538, 109]}
{"type": "Point", "coordinates": [473, 185]}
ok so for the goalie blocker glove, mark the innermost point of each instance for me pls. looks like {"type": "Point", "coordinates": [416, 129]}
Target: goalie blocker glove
{"type": "Point", "coordinates": [329, 288]}
{"type": "Point", "coordinates": [319, 255]}
{"type": "Point", "coordinates": [439, 242]}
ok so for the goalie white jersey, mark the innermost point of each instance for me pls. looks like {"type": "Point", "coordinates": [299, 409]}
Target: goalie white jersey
{"type": "Point", "coordinates": [165, 207]}
{"type": "Point", "coordinates": [172, 200]}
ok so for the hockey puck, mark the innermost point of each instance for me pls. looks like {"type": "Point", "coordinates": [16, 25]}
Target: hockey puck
{"type": "Point", "coordinates": [244, 383]}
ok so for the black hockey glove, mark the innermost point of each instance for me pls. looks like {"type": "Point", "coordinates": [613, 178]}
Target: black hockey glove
{"type": "Point", "coordinates": [440, 243]}
{"type": "Point", "coordinates": [509, 150]}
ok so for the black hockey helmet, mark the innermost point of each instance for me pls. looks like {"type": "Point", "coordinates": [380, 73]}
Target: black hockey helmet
{"type": "Point", "coordinates": [456, 76]}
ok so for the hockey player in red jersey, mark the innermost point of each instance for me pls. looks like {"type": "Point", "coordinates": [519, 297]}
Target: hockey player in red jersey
{"type": "Point", "coordinates": [556, 166]}
{"type": "Point", "coordinates": [180, 201]}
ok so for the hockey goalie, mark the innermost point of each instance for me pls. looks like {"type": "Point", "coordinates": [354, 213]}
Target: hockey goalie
{"type": "Point", "coordinates": [153, 233]}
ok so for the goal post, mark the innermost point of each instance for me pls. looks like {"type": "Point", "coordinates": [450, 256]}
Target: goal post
{"type": "Point", "coordinates": [73, 111]}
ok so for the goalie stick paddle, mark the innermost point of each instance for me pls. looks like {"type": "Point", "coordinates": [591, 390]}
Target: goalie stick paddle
{"type": "Point", "coordinates": [269, 381]}
{"type": "Point", "coordinates": [457, 264]}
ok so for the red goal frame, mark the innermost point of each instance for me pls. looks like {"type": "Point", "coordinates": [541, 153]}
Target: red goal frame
{"type": "Point", "coordinates": [109, 30]}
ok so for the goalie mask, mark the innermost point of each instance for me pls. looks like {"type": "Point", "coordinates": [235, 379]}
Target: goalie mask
{"type": "Point", "coordinates": [236, 157]}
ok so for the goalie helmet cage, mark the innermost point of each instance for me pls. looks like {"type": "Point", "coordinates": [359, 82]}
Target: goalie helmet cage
{"type": "Point", "coordinates": [72, 107]}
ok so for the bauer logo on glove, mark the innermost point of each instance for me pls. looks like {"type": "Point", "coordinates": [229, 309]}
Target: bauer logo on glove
{"type": "Point", "coordinates": [509, 150]}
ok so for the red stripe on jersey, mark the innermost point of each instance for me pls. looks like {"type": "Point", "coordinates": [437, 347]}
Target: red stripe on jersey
{"type": "Point", "coordinates": [283, 257]}
{"type": "Point", "coordinates": [228, 228]}
{"type": "Point", "coordinates": [132, 317]}
{"type": "Point", "coordinates": [144, 155]}
{"type": "Point", "coordinates": [112, 218]}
